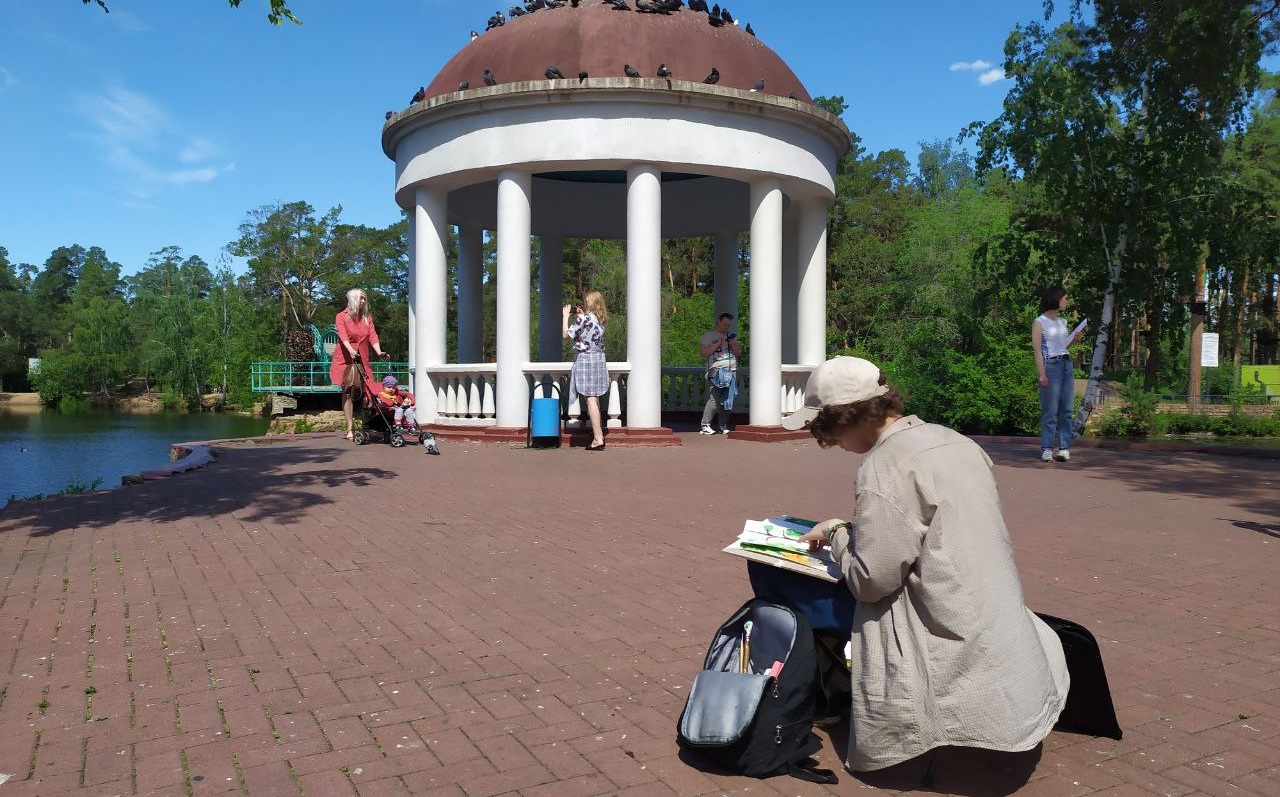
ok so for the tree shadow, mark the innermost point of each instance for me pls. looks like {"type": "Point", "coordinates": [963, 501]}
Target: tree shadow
{"type": "Point", "coordinates": [1269, 529]}
{"type": "Point", "coordinates": [252, 484]}
{"type": "Point", "coordinates": [1249, 483]}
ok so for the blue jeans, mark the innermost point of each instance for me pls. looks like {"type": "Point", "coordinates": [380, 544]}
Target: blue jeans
{"type": "Point", "coordinates": [1057, 399]}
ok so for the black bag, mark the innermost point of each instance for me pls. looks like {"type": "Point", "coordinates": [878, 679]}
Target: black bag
{"type": "Point", "coordinates": [1089, 709]}
{"type": "Point", "coordinates": [742, 717]}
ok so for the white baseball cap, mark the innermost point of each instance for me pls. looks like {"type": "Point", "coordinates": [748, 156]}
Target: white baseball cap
{"type": "Point", "coordinates": [838, 381]}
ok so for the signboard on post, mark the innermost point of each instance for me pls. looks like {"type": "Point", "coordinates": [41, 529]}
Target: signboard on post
{"type": "Point", "coordinates": [1209, 350]}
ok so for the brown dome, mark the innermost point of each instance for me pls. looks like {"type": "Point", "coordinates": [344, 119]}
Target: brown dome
{"type": "Point", "coordinates": [599, 40]}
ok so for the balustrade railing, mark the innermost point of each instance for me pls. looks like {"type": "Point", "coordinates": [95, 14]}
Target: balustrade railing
{"type": "Point", "coordinates": [465, 392]}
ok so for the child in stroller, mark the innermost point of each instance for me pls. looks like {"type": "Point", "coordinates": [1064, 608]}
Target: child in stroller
{"type": "Point", "coordinates": [401, 401]}
{"type": "Point", "coordinates": [388, 415]}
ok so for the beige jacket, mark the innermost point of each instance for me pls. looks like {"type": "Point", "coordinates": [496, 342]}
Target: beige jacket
{"type": "Point", "coordinates": [945, 652]}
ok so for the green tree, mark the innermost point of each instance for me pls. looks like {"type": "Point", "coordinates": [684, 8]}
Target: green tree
{"type": "Point", "coordinates": [168, 296]}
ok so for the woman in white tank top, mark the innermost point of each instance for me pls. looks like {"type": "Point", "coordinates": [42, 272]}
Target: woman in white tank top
{"type": "Point", "coordinates": [1050, 341]}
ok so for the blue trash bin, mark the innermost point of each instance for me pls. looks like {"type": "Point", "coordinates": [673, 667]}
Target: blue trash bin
{"type": "Point", "coordinates": [544, 416]}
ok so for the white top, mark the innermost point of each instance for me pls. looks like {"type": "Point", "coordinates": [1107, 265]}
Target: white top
{"type": "Point", "coordinates": [1053, 336]}
{"type": "Point", "coordinates": [723, 355]}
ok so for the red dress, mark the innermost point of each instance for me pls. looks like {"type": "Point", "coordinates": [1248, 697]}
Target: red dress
{"type": "Point", "coordinates": [360, 335]}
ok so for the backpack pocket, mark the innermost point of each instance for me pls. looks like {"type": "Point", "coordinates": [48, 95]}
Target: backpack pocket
{"type": "Point", "coordinates": [721, 707]}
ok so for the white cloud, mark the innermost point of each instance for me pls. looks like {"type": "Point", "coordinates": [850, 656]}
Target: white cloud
{"type": "Point", "coordinates": [140, 140]}
{"type": "Point", "coordinates": [970, 66]}
{"type": "Point", "coordinates": [991, 76]}
{"type": "Point", "coordinates": [197, 149]}
{"type": "Point", "coordinates": [7, 80]}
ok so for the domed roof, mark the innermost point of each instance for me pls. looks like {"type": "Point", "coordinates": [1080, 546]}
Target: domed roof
{"type": "Point", "coordinates": [599, 40]}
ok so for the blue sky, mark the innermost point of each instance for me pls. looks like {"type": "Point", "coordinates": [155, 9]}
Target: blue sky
{"type": "Point", "coordinates": [165, 122]}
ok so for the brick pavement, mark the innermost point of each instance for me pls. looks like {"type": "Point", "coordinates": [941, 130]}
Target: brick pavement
{"type": "Point", "coordinates": [311, 618]}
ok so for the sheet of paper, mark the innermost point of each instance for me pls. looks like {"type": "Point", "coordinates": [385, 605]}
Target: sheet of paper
{"type": "Point", "coordinates": [1084, 322]}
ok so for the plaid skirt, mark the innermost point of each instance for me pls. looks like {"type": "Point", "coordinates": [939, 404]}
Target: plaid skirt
{"type": "Point", "coordinates": [589, 377]}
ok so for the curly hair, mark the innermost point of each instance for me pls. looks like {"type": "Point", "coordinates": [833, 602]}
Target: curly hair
{"type": "Point", "coordinates": [832, 421]}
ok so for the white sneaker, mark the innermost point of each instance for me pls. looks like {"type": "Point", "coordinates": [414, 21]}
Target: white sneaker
{"type": "Point", "coordinates": [1046, 455]}
{"type": "Point", "coordinates": [1063, 455]}
{"type": "Point", "coordinates": [706, 430]}
{"type": "Point", "coordinates": [724, 431]}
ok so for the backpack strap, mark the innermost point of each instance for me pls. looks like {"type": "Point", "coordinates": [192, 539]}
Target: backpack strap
{"type": "Point", "coordinates": [808, 770]}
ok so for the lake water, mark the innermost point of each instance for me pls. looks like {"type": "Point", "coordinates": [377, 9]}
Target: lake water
{"type": "Point", "coordinates": [44, 452]}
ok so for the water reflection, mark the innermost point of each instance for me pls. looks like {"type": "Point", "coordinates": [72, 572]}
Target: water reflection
{"type": "Point", "coordinates": [45, 452]}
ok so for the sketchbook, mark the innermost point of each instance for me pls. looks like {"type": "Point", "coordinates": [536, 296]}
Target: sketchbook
{"type": "Point", "coordinates": [775, 542]}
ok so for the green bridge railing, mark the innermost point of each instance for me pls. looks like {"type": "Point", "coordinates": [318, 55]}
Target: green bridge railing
{"type": "Point", "coordinates": [311, 377]}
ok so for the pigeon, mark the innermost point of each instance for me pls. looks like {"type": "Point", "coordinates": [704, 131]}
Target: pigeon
{"type": "Point", "coordinates": [749, 30]}
{"type": "Point", "coordinates": [663, 72]}
{"type": "Point", "coordinates": [489, 79]}
{"type": "Point", "coordinates": [712, 78]}
{"type": "Point", "coordinates": [474, 35]}
{"type": "Point", "coordinates": [715, 21]}
{"type": "Point", "coordinates": [758, 87]}
{"type": "Point", "coordinates": [582, 75]}
{"type": "Point", "coordinates": [464, 85]}
{"type": "Point", "coordinates": [619, 5]}
{"type": "Point", "coordinates": [552, 3]}
{"type": "Point", "coordinates": [629, 71]}
{"type": "Point", "coordinates": [792, 96]}
{"type": "Point", "coordinates": [515, 11]}
{"type": "Point", "coordinates": [726, 16]}
{"type": "Point", "coordinates": [418, 95]}
{"type": "Point", "coordinates": [574, 3]}
{"type": "Point", "coordinates": [698, 5]}
{"type": "Point", "coordinates": [553, 74]}
{"type": "Point", "coordinates": [390, 114]}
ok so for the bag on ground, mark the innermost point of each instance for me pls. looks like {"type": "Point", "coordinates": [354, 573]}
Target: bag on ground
{"type": "Point", "coordinates": [750, 709]}
{"type": "Point", "coordinates": [1089, 709]}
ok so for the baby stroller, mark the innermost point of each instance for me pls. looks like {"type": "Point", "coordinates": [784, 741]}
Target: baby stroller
{"type": "Point", "coordinates": [377, 422]}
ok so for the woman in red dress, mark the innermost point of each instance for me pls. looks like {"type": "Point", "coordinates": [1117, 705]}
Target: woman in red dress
{"type": "Point", "coordinates": [355, 336]}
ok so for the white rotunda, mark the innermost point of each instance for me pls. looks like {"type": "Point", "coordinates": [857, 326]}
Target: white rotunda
{"type": "Point", "coordinates": [610, 156]}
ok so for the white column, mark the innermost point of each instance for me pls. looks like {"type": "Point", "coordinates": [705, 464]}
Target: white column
{"type": "Point", "coordinates": [411, 287]}
{"type": "Point", "coordinates": [790, 281]}
{"type": "Point", "coordinates": [726, 277]}
{"type": "Point", "coordinates": [644, 291]}
{"type": "Point", "coordinates": [430, 246]}
{"type": "Point", "coordinates": [514, 211]}
{"type": "Point", "coordinates": [811, 293]}
{"type": "Point", "coordinates": [470, 293]}
{"type": "Point", "coordinates": [766, 302]}
{"type": "Point", "coordinates": [550, 292]}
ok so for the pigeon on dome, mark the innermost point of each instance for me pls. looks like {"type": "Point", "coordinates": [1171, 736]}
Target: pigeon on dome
{"type": "Point", "coordinates": [553, 74]}
{"type": "Point", "coordinates": [758, 87]}
{"type": "Point", "coordinates": [749, 30]}
{"type": "Point", "coordinates": [390, 114]}
{"type": "Point", "coordinates": [515, 11]}
{"type": "Point", "coordinates": [489, 79]}
{"type": "Point", "coordinates": [663, 72]}
{"type": "Point", "coordinates": [418, 95]}
{"type": "Point", "coordinates": [712, 78]}
{"type": "Point", "coordinates": [474, 35]}
{"type": "Point", "coordinates": [464, 85]}
{"type": "Point", "coordinates": [629, 71]}
{"type": "Point", "coordinates": [582, 75]}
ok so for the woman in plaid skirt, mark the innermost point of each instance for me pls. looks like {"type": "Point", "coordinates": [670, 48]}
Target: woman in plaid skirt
{"type": "Point", "coordinates": [590, 375]}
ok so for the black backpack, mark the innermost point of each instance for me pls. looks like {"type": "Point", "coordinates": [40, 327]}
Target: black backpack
{"type": "Point", "coordinates": [742, 716]}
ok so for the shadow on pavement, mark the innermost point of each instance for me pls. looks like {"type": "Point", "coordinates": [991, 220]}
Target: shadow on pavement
{"type": "Point", "coordinates": [959, 770]}
{"type": "Point", "coordinates": [253, 485]}
{"type": "Point", "coordinates": [1252, 484]}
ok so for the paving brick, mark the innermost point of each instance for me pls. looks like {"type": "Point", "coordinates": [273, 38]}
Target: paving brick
{"type": "Point", "coordinates": [555, 656]}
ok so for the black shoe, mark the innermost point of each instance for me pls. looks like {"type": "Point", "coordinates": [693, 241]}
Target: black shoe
{"type": "Point", "coordinates": [596, 448]}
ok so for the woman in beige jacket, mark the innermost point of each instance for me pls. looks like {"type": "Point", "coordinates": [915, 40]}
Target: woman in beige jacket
{"type": "Point", "coordinates": [944, 650]}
